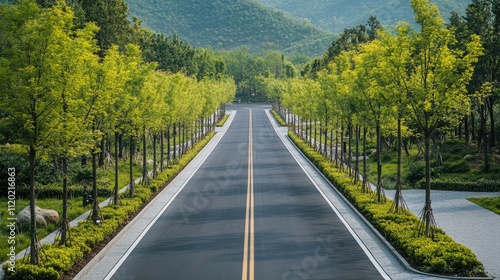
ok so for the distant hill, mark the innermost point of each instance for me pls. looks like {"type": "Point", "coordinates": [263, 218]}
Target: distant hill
{"type": "Point", "coordinates": [229, 24]}
{"type": "Point", "coordinates": [336, 15]}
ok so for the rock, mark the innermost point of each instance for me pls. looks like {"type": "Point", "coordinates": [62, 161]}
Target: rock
{"type": "Point", "coordinates": [150, 162]}
{"type": "Point", "coordinates": [42, 216]}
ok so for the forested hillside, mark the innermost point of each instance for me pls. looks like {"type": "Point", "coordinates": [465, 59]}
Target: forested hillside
{"type": "Point", "coordinates": [229, 24]}
{"type": "Point", "coordinates": [336, 15]}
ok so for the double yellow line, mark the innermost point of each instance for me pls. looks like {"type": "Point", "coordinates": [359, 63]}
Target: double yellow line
{"type": "Point", "coordinates": [248, 248]}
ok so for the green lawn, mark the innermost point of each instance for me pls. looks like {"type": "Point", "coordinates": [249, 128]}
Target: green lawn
{"type": "Point", "coordinates": [490, 203]}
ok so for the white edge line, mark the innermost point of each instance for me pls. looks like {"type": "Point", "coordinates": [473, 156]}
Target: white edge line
{"type": "Point", "coordinates": [145, 231]}
{"type": "Point", "coordinates": [349, 228]}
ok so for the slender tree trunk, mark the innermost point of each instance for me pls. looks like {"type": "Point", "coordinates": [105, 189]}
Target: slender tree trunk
{"type": "Point", "coordinates": [162, 150]}
{"type": "Point", "coordinates": [64, 219]}
{"type": "Point", "coordinates": [175, 142]}
{"type": "Point", "coordinates": [379, 165]}
{"type": "Point", "coordinates": [145, 176]}
{"type": "Point", "coordinates": [33, 240]}
{"type": "Point", "coordinates": [342, 147]}
{"type": "Point", "coordinates": [117, 168]}
{"type": "Point", "coordinates": [427, 208]}
{"type": "Point", "coordinates": [365, 171]}
{"type": "Point", "coordinates": [337, 143]}
{"type": "Point", "coordinates": [155, 173]}
{"type": "Point", "coordinates": [349, 153]}
{"type": "Point", "coordinates": [120, 146]}
{"type": "Point", "coordinates": [95, 203]}
{"type": "Point", "coordinates": [356, 163]}
{"type": "Point", "coordinates": [398, 197]}
{"type": "Point", "coordinates": [101, 152]}
{"type": "Point", "coordinates": [169, 146]}
{"type": "Point", "coordinates": [131, 167]}
{"type": "Point", "coordinates": [331, 144]}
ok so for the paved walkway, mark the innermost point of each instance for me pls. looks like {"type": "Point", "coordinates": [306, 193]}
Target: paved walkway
{"type": "Point", "coordinates": [466, 222]}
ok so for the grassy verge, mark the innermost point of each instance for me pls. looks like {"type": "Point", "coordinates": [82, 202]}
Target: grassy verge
{"type": "Point", "coordinates": [86, 237]}
{"type": "Point", "coordinates": [440, 255]}
{"type": "Point", "coordinates": [490, 203]}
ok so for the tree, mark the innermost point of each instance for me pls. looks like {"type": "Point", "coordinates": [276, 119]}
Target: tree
{"type": "Point", "coordinates": [76, 48]}
{"type": "Point", "coordinates": [112, 18]}
{"type": "Point", "coordinates": [29, 68]}
{"type": "Point", "coordinates": [483, 19]}
{"type": "Point", "coordinates": [434, 81]}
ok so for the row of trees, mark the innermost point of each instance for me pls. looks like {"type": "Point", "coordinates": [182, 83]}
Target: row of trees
{"type": "Point", "coordinates": [405, 82]}
{"type": "Point", "coordinates": [62, 93]}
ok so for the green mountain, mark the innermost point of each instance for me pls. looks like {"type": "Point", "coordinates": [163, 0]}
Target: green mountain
{"type": "Point", "coordinates": [229, 24]}
{"type": "Point", "coordinates": [336, 15]}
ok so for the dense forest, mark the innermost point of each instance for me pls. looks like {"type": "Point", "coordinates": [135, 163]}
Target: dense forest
{"type": "Point", "coordinates": [336, 15]}
{"type": "Point", "coordinates": [229, 24]}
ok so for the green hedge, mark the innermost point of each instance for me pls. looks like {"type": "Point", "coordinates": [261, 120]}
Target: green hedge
{"type": "Point", "coordinates": [280, 121]}
{"type": "Point", "coordinates": [57, 260]}
{"type": "Point", "coordinates": [482, 185]}
{"type": "Point", "coordinates": [222, 121]}
{"type": "Point", "coordinates": [440, 255]}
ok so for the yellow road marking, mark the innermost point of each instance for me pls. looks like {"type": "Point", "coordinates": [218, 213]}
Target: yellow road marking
{"type": "Point", "coordinates": [248, 248]}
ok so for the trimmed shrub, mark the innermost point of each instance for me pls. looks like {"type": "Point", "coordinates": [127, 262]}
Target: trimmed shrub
{"type": "Point", "coordinates": [481, 185]}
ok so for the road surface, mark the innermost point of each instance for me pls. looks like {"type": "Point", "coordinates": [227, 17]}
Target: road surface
{"type": "Point", "coordinates": [249, 212]}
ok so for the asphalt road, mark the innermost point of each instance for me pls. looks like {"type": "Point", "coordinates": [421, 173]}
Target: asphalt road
{"type": "Point", "coordinates": [249, 212]}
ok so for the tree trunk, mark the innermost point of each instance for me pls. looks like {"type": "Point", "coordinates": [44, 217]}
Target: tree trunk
{"type": "Point", "coordinates": [145, 176]}
{"type": "Point", "coordinates": [398, 197]}
{"type": "Point", "coordinates": [356, 163]}
{"type": "Point", "coordinates": [364, 188]}
{"type": "Point", "coordinates": [34, 257]}
{"type": "Point", "coordinates": [95, 203]}
{"type": "Point", "coordinates": [162, 150]}
{"type": "Point", "coordinates": [175, 142]}
{"type": "Point", "coordinates": [168, 145]}
{"type": "Point", "coordinates": [120, 146]}
{"type": "Point", "coordinates": [131, 167]}
{"type": "Point", "coordinates": [154, 156]}
{"type": "Point", "coordinates": [427, 216]}
{"type": "Point", "coordinates": [101, 152]}
{"type": "Point", "coordinates": [379, 165]}
{"type": "Point", "coordinates": [64, 219]}
{"type": "Point", "coordinates": [115, 196]}
{"type": "Point", "coordinates": [349, 153]}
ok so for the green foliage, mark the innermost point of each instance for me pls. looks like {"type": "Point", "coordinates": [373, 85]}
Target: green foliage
{"type": "Point", "coordinates": [229, 24]}
{"type": "Point", "coordinates": [280, 121]}
{"type": "Point", "coordinates": [453, 184]}
{"type": "Point", "coordinates": [490, 203]}
{"type": "Point", "coordinates": [223, 121]}
{"type": "Point", "coordinates": [19, 160]}
{"type": "Point", "coordinates": [337, 15]}
{"type": "Point", "coordinates": [439, 255]}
